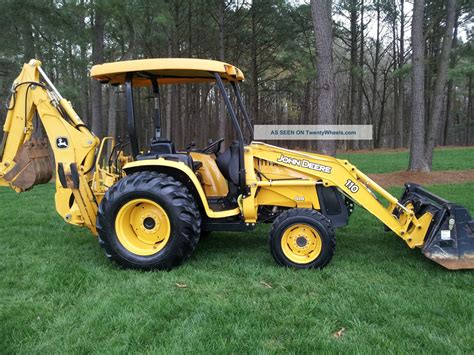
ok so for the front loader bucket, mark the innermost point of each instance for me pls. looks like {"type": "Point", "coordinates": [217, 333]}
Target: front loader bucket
{"type": "Point", "coordinates": [450, 237]}
{"type": "Point", "coordinates": [32, 165]}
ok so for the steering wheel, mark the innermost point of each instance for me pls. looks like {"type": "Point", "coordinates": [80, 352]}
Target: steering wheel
{"type": "Point", "coordinates": [213, 148]}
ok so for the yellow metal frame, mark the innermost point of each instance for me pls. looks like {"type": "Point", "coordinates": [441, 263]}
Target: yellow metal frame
{"type": "Point", "coordinates": [81, 150]}
{"type": "Point", "coordinates": [103, 177]}
{"type": "Point", "coordinates": [328, 171]}
{"type": "Point", "coordinates": [157, 164]}
{"type": "Point", "coordinates": [211, 178]}
{"type": "Point", "coordinates": [167, 70]}
{"type": "Point", "coordinates": [274, 176]}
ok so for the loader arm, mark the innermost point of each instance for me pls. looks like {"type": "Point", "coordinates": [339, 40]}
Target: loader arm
{"type": "Point", "coordinates": [329, 171]}
{"type": "Point", "coordinates": [444, 231]}
{"type": "Point", "coordinates": [24, 161]}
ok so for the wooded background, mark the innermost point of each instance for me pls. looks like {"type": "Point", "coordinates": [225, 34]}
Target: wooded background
{"type": "Point", "coordinates": [360, 59]}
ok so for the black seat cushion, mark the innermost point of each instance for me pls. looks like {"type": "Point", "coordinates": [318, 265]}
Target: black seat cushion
{"type": "Point", "coordinates": [162, 146]}
{"type": "Point", "coordinates": [228, 163]}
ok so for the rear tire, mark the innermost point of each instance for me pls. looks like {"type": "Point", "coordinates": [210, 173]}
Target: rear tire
{"type": "Point", "coordinates": [148, 221]}
{"type": "Point", "coordinates": [302, 238]}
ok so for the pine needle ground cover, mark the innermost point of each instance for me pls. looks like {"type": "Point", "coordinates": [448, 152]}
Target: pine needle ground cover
{"type": "Point", "coordinates": [59, 293]}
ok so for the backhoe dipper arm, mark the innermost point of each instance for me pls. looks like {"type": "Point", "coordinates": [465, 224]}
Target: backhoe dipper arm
{"type": "Point", "coordinates": [24, 161]}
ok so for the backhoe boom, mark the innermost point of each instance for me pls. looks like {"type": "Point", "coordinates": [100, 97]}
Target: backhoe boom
{"type": "Point", "coordinates": [25, 162]}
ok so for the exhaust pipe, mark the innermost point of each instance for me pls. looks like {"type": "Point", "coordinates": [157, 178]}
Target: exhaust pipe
{"type": "Point", "coordinates": [449, 240]}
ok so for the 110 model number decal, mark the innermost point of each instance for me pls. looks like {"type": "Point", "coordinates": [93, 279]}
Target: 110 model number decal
{"type": "Point", "coordinates": [351, 185]}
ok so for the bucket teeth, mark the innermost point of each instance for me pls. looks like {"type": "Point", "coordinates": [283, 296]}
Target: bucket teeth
{"type": "Point", "coordinates": [450, 239]}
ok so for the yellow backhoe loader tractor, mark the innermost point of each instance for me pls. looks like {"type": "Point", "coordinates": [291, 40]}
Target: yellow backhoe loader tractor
{"type": "Point", "coordinates": [149, 208]}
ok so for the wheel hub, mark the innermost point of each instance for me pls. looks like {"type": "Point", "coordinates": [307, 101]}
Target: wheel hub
{"type": "Point", "coordinates": [301, 243]}
{"type": "Point", "coordinates": [142, 226]}
{"type": "Point", "coordinates": [149, 223]}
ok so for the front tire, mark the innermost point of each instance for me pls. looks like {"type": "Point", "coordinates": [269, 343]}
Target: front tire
{"type": "Point", "coordinates": [302, 238]}
{"type": "Point", "coordinates": [148, 221]}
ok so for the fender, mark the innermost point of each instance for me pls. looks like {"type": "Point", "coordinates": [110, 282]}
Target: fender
{"type": "Point", "coordinates": [182, 172]}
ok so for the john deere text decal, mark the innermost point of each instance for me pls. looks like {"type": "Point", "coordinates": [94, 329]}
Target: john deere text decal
{"type": "Point", "coordinates": [304, 164]}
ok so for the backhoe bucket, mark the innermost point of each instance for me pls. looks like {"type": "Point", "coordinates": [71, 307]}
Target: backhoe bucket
{"type": "Point", "coordinates": [450, 237]}
{"type": "Point", "coordinates": [32, 165]}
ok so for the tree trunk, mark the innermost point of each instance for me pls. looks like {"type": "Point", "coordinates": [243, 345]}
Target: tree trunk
{"type": "Point", "coordinates": [469, 111]}
{"type": "Point", "coordinates": [396, 92]}
{"type": "Point", "coordinates": [169, 94]}
{"type": "Point", "coordinates": [399, 137]}
{"type": "Point", "coordinates": [221, 116]}
{"type": "Point", "coordinates": [322, 22]}
{"type": "Point", "coordinates": [112, 117]}
{"type": "Point", "coordinates": [97, 58]}
{"type": "Point", "coordinates": [28, 41]}
{"type": "Point", "coordinates": [84, 88]}
{"type": "Point", "coordinates": [353, 94]}
{"type": "Point", "coordinates": [381, 128]}
{"type": "Point", "coordinates": [254, 64]}
{"type": "Point", "coordinates": [450, 89]}
{"type": "Point", "coordinates": [417, 156]}
{"type": "Point", "coordinates": [360, 107]}
{"type": "Point", "coordinates": [177, 126]}
{"type": "Point", "coordinates": [373, 116]}
{"type": "Point", "coordinates": [83, 77]}
{"type": "Point", "coordinates": [30, 53]}
{"type": "Point", "coordinates": [441, 78]}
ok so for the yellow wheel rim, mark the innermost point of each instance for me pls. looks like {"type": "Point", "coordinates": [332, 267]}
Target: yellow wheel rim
{"type": "Point", "coordinates": [142, 227]}
{"type": "Point", "coordinates": [301, 243]}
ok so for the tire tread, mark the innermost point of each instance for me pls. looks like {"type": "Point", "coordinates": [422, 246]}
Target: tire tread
{"type": "Point", "coordinates": [177, 194]}
{"type": "Point", "coordinates": [303, 212]}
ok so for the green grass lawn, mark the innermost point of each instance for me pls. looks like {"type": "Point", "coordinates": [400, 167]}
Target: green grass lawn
{"type": "Point", "coordinates": [383, 162]}
{"type": "Point", "coordinates": [59, 293]}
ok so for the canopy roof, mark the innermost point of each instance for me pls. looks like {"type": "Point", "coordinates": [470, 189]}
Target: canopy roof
{"type": "Point", "coordinates": [166, 70]}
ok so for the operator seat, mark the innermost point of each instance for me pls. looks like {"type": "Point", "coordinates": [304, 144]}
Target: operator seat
{"type": "Point", "coordinates": [164, 148]}
{"type": "Point", "coordinates": [228, 163]}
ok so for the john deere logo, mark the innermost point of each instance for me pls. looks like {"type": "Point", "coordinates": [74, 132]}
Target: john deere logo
{"type": "Point", "coordinates": [62, 143]}
{"type": "Point", "coordinates": [304, 164]}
